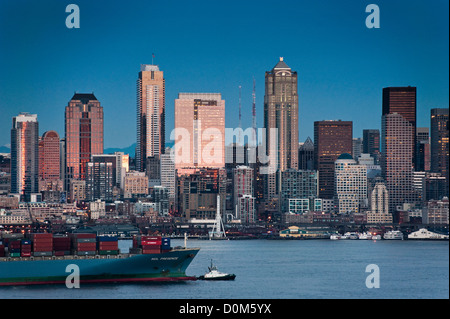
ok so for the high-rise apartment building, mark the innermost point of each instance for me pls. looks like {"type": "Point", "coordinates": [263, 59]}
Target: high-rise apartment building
{"type": "Point", "coordinates": [150, 114]}
{"type": "Point", "coordinates": [242, 185]}
{"type": "Point", "coordinates": [49, 162]}
{"type": "Point", "coordinates": [25, 155]}
{"type": "Point", "coordinates": [331, 139]}
{"type": "Point", "coordinates": [84, 133]}
{"type": "Point", "coordinates": [396, 160]}
{"type": "Point", "coordinates": [100, 179]}
{"type": "Point", "coordinates": [439, 140]}
{"type": "Point", "coordinates": [199, 131]}
{"type": "Point", "coordinates": [281, 114]}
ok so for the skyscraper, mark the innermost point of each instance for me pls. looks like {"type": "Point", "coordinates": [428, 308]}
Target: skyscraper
{"type": "Point", "coordinates": [25, 155]}
{"type": "Point", "coordinates": [331, 139]}
{"type": "Point", "coordinates": [396, 160]}
{"type": "Point", "coordinates": [49, 162]}
{"type": "Point", "coordinates": [150, 114]}
{"type": "Point", "coordinates": [281, 113]}
{"type": "Point", "coordinates": [306, 155]}
{"type": "Point", "coordinates": [84, 133]}
{"type": "Point", "coordinates": [439, 133]}
{"type": "Point", "coordinates": [199, 131]}
{"type": "Point", "coordinates": [371, 144]}
{"type": "Point", "coordinates": [402, 100]}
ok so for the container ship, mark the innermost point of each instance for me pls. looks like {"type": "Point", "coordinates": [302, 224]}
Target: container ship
{"type": "Point", "coordinates": [44, 258]}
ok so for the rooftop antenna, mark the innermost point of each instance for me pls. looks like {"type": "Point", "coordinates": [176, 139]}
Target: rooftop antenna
{"type": "Point", "coordinates": [254, 114]}
{"type": "Point", "coordinates": [240, 106]}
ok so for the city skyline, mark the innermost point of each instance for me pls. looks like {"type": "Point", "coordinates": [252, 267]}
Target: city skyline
{"type": "Point", "coordinates": [352, 73]}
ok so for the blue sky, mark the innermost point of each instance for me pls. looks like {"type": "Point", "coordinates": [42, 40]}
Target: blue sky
{"type": "Point", "coordinates": [215, 46]}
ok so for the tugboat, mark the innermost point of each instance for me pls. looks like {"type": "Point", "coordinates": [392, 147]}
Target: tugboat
{"type": "Point", "coordinates": [214, 274]}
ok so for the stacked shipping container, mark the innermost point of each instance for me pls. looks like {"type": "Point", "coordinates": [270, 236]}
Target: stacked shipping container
{"type": "Point", "coordinates": [107, 245]}
{"type": "Point", "coordinates": [61, 245]}
{"type": "Point", "coordinates": [25, 249]}
{"type": "Point", "coordinates": [151, 244]}
{"type": "Point", "coordinates": [42, 244]}
{"type": "Point", "coordinates": [84, 244]}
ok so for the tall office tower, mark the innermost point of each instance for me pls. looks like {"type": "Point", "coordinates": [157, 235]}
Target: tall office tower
{"type": "Point", "coordinates": [423, 156]}
{"type": "Point", "coordinates": [199, 131]}
{"type": "Point", "coordinates": [306, 155]}
{"type": "Point", "coordinates": [350, 185]}
{"type": "Point", "coordinates": [84, 134]}
{"type": "Point", "coordinates": [49, 162]}
{"type": "Point", "coordinates": [150, 114]}
{"type": "Point", "coordinates": [25, 155]}
{"type": "Point", "coordinates": [331, 139]}
{"type": "Point", "coordinates": [402, 100]}
{"type": "Point", "coordinates": [242, 185]}
{"type": "Point", "coordinates": [371, 144]}
{"type": "Point", "coordinates": [396, 160]}
{"type": "Point", "coordinates": [281, 113]}
{"type": "Point", "coordinates": [297, 184]}
{"type": "Point", "coordinates": [439, 134]}
{"type": "Point", "coordinates": [99, 179]}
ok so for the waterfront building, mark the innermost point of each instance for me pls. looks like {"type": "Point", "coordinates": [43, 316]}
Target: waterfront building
{"type": "Point", "coordinates": [331, 139]}
{"type": "Point", "coordinates": [437, 212]}
{"type": "Point", "coordinates": [150, 114]}
{"type": "Point", "coordinates": [25, 155]}
{"type": "Point", "coordinates": [242, 185]}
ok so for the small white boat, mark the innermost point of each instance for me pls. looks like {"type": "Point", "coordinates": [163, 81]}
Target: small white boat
{"type": "Point", "coordinates": [215, 274]}
{"type": "Point", "coordinates": [393, 235]}
{"type": "Point", "coordinates": [365, 235]}
{"type": "Point", "coordinates": [351, 235]}
{"type": "Point", "coordinates": [335, 237]}
{"type": "Point", "coordinates": [376, 237]}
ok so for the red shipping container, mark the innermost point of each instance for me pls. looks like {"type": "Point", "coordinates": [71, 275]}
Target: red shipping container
{"type": "Point", "coordinates": [151, 237]}
{"type": "Point", "coordinates": [151, 251]}
{"type": "Point", "coordinates": [151, 242]}
{"type": "Point", "coordinates": [43, 241]}
{"type": "Point", "coordinates": [86, 246]}
{"type": "Point", "coordinates": [42, 249]}
{"type": "Point", "coordinates": [41, 236]}
{"type": "Point", "coordinates": [25, 254]}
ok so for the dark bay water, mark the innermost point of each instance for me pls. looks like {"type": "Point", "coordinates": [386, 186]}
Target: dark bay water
{"type": "Point", "coordinates": [287, 269]}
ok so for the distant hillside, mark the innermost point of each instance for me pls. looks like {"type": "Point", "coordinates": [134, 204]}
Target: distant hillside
{"type": "Point", "coordinates": [5, 149]}
{"type": "Point", "coordinates": [127, 150]}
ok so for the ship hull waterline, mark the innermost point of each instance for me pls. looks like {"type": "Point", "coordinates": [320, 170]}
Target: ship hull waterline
{"type": "Point", "coordinates": [166, 267]}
